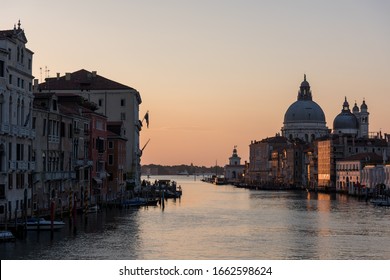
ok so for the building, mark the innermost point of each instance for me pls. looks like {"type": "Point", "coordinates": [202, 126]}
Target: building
{"type": "Point", "coordinates": [234, 171]}
{"type": "Point", "coordinates": [116, 160]}
{"type": "Point", "coordinates": [349, 172]}
{"type": "Point", "coordinates": [116, 101]}
{"type": "Point", "coordinates": [16, 132]}
{"type": "Point", "coordinates": [304, 119]}
{"type": "Point", "coordinates": [98, 153]}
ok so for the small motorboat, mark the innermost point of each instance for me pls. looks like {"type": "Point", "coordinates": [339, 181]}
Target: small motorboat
{"type": "Point", "coordinates": [42, 224]}
{"type": "Point", "coordinates": [93, 209]}
{"type": "Point", "coordinates": [6, 236]}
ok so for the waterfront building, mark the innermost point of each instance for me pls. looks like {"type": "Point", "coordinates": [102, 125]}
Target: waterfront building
{"type": "Point", "coordinates": [234, 171]}
{"type": "Point", "coordinates": [373, 178]}
{"type": "Point", "coordinates": [79, 131]}
{"type": "Point", "coordinates": [98, 154]}
{"type": "Point", "coordinates": [349, 172]}
{"type": "Point", "coordinates": [276, 161]}
{"type": "Point", "coordinates": [60, 151]}
{"type": "Point", "coordinates": [16, 132]}
{"type": "Point", "coordinates": [116, 160]}
{"type": "Point", "coordinates": [260, 154]}
{"type": "Point", "coordinates": [304, 119]}
{"type": "Point", "coordinates": [116, 101]}
{"type": "Point", "coordinates": [306, 154]}
{"type": "Point", "coordinates": [338, 147]}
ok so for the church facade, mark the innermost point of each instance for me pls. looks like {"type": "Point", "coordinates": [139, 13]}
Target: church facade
{"type": "Point", "coordinates": [307, 154]}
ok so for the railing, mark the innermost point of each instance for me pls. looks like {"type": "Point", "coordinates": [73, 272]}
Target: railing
{"type": "Point", "coordinates": [59, 175]}
{"type": "Point", "coordinates": [12, 165]}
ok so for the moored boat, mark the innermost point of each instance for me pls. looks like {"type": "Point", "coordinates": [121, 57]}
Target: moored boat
{"type": "Point", "coordinates": [380, 202]}
{"type": "Point", "coordinates": [6, 236]}
{"type": "Point", "coordinates": [42, 224]}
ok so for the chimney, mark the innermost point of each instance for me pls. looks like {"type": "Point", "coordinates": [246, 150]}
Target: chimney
{"type": "Point", "coordinates": [67, 76]}
{"type": "Point", "coordinates": [58, 76]}
{"type": "Point", "coordinates": [94, 73]}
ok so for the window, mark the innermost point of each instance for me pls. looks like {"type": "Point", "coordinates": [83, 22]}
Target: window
{"type": "Point", "coordinates": [10, 181]}
{"type": "Point", "coordinates": [2, 191]}
{"type": "Point", "coordinates": [10, 79]}
{"type": "Point", "coordinates": [1, 68]}
{"type": "Point", "coordinates": [62, 129]}
{"type": "Point", "coordinates": [123, 102]}
{"type": "Point", "coordinates": [110, 159]}
{"type": "Point", "coordinates": [100, 102]}
{"type": "Point", "coordinates": [110, 145]}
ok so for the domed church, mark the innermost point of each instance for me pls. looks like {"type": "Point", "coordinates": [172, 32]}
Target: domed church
{"type": "Point", "coordinates": [353, 123]}
{"type": "Point", "coordinates": [304, 119]}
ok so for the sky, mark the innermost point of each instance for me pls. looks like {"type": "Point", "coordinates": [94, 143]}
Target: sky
{"type": "Point", "coordinates": [215, 74]}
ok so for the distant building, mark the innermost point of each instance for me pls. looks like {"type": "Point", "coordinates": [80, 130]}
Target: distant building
{"type": "Point", "coordinates": [349, 172]}
{"type": "Point", "coordinates": [116, 101]}
{"type": "Point", "coordinates": [16, 132]}
{"type": "Point", "coordinates": [234, 170]}
{"type": "Point", "coordinates": [309, 155]}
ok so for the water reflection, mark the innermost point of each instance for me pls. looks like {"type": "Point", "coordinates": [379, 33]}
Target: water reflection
{"type": "Point", "coordinates": [221, 222]}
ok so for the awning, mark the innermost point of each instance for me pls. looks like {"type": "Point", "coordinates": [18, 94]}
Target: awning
{"type": "Point", "coordinates": [97, 180]}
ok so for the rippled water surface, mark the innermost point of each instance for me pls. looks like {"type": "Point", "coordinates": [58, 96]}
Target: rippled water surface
{"type": "Point", "coordinates": [221, 222]}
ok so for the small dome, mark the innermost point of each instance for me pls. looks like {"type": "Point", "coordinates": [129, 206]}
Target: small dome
{"type": "Point", "coordinates": [355, 108]}
{"type": "Point", "coordinates": [345, 121]}
{"type": "Point", "coordinates": [363, 106]}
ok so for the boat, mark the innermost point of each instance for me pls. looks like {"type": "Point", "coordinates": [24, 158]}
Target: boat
{"type": "Point", "coordinates": [380, 202]}
{"type": "Point", "coordinates": [42, 224]}
{"type": "Point", "coordinates": [6, 236]}
{"type": "Point", "coordinates": [93, 209]}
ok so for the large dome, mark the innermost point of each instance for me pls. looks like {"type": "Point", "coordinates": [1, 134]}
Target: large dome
{"type": "Point", "coordinates": [304, 119]}
{"type": "Point", "coordinates": [304, 111]}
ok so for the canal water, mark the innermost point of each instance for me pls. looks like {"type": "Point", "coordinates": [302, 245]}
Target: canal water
{"type": "Point", "coordinates": [220, 222]}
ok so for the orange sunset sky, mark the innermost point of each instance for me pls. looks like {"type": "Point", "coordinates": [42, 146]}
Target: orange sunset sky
{"type": "Point", "coordinates": [217, 73]}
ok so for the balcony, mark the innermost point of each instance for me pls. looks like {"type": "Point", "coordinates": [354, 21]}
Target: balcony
{"type": "Point", "coordinates": [54, 139]}
{"type": "Point", "coordinates": [59, 175]}
{"type": "Point", "coordinates": [12, 165]}
{"type": "Point", "coordinates": [83, 163]}
{"type": "Point", "coordinates": [22, 165]}
{"type": "Point", "coordinates": [4, 128]}
{"type": "Point", "coordinates": [31, 165]}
